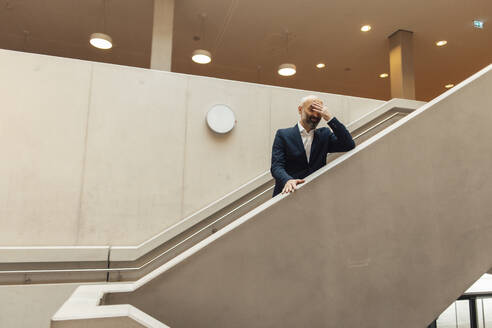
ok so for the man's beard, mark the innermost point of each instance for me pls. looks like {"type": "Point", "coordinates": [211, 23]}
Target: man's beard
{"type": "Point", "coordinates": [312, 121]}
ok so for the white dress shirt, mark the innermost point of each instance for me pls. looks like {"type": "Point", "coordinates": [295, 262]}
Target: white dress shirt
{"type": "Point", "coordinates": [307, 139]}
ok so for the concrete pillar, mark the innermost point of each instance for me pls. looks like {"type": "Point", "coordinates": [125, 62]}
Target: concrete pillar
{"type": "Point", "coordinates": [162, 35]}
{"type": "Point", "coordinates": [401, 65]}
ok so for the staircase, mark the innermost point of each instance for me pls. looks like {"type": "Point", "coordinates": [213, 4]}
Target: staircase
{"type": "Point", "coordinates": [387, 235]}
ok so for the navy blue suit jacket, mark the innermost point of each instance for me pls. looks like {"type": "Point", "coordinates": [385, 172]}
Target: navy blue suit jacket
{"type": "Point", "coordinates": [289, 156]}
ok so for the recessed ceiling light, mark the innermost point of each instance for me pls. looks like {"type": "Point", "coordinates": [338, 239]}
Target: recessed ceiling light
{"type": "Point", "coordinates": [441, 43]}
{"type": "Point", "coordinates": [448, 86]}
{"type": "Point", "coordinates": [287, 69]}
{"type": "Point", "coordinates": [365, 28]}
{"type": "Point", "coordinates": [201, 56]}
{"type": "Point", "coordinates": [478, 24]}
{"type": "Point", "coordinates": [320, 65]}
{"type": "Point", "coordinates": [384, 75]}
{"type": "Point", "coordinates": [101, 41]}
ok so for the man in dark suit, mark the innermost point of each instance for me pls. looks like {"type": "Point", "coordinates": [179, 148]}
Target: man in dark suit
{"type": "Point", "coordinates": [302, 149]}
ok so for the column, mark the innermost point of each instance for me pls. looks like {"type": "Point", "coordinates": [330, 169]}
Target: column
{"type": "Point", "coordinates": [162, 35]}
{"type": "Point", "coordinates": [401, 65]}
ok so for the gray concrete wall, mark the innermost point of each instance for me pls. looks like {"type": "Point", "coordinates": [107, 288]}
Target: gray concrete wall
{"type": "Point", "coordinates": [31, 306]}
{"type": "Point", "coordinates": [389, 237]}
{"type": "Point", "coordinates": [93, 151]}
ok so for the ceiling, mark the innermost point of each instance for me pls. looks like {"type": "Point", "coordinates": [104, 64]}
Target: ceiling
{"type": "Point", "coordinates": [62, 28]}
{"type": "Point", "coordinates": [247, 38]}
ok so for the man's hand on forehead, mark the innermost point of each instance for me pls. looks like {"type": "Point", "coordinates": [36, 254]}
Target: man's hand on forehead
{"type": "Point", "coordinates": [316, 102]}
{"type": "Point", "coordinates": [317, 106]}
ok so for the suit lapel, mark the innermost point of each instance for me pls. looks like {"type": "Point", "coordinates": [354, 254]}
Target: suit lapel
{"type": "Point", "coordinates": [298, 140]}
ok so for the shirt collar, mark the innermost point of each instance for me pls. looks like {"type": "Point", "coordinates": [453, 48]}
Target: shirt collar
{"type": "Point", "coordinates": [303, 131]}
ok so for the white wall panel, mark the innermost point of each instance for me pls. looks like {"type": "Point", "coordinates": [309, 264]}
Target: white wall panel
{"type": "Point", "coordinates": [43, 112]}
{"type": "Point", "coordinates": [133, 175]}
{"type": "Point", "coordinates": [217, 164]}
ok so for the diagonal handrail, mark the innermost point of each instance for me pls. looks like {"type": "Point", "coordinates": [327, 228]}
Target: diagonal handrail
{"type": "Point", "coordinates": [157, 257]}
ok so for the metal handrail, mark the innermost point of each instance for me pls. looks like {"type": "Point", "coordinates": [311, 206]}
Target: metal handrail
{"type": "Point", "coordinates": [376, 125]}
{"type": "Point", "coordinates": [148, 262]}
{"type": "Point", "coordinates": [129, 269]}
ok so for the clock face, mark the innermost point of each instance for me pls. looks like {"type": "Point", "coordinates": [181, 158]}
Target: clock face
{"type": "Point", "coordinates": [221, 119]}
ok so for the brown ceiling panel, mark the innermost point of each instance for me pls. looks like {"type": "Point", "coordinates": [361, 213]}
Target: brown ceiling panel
{"type": "Point", "coordinates": [247, 38]}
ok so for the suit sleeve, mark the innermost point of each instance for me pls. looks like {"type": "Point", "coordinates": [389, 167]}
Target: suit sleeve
{"type": "Point", "coordinates": [340, 139]}
{"type": "Point", "coordinates": [278, 160]}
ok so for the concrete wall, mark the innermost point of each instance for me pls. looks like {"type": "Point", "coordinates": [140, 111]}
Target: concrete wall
{"type": "Point", "coordinates": [94, 151]}
{"type": "Point", "coordinates": [27, 306]}
{"type": "Point", "coordinates": [387, 235]}
{"type": "Point", "coordinates": [32, 306]}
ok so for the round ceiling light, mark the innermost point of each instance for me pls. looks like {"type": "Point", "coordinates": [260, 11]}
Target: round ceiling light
{"type": "Point", "coordinates": [441, 43]}
{"type": "Point", "coordinates": [201, 56]}
{"type": "Point", "coordinates": [221, 119]}
{"type": "Point", "coordinates": [287, 69]}
{"type": "Point", "coordinates": [383, 75]}
{"type": "Point", "coordinates": [448, 86]}
{"type": "Point", "coordinates": [101, 41]}
{"type": "Point", "coordinates": [320, 65]}
{"type": "Point", "coordinates": [365, 28]}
